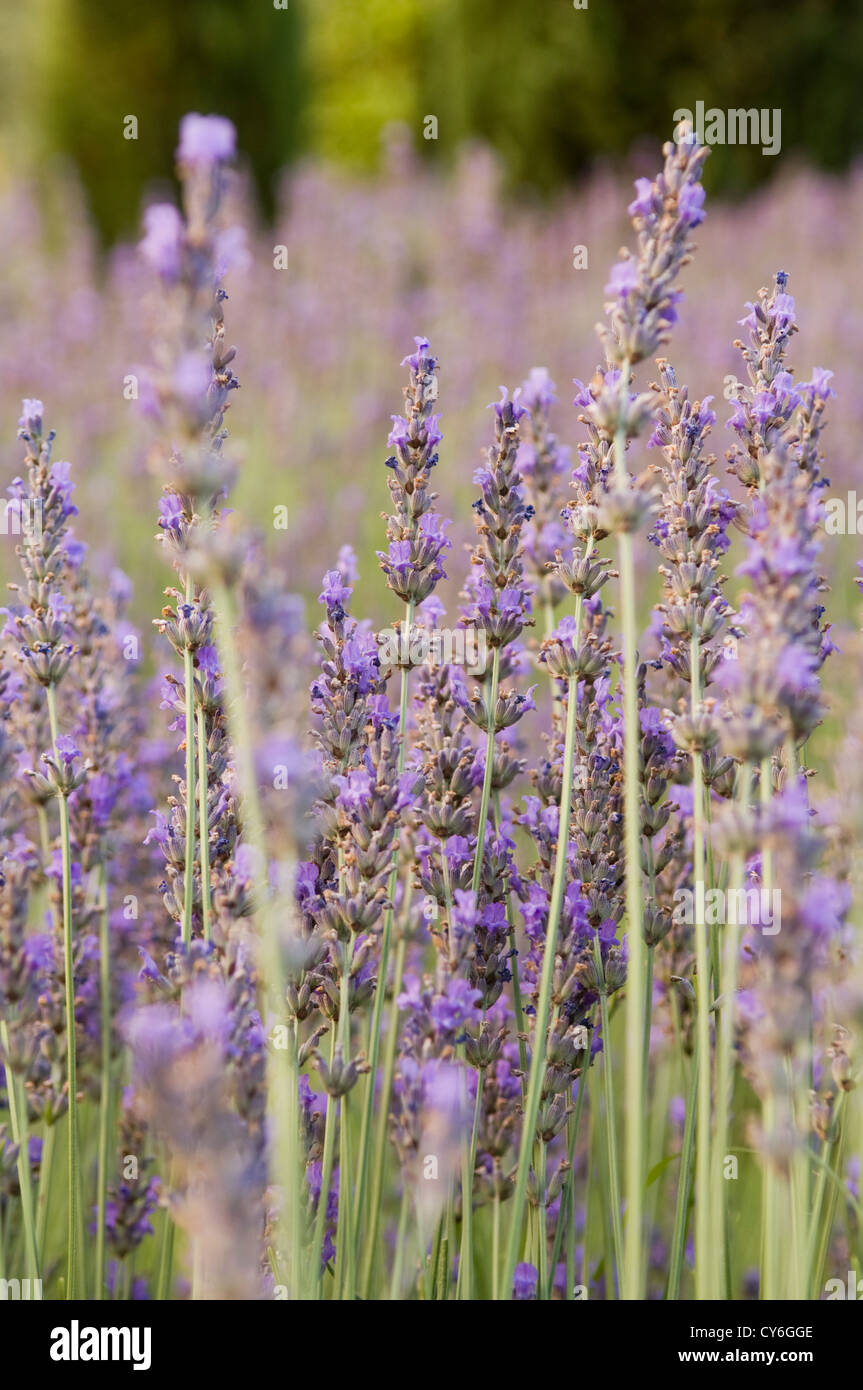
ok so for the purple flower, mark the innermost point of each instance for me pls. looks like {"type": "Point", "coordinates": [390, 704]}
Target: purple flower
{"type": "Point", "coordinates": [67, 749]}
{"type": "Point", "coordinates": [206, 140]}
{"type": "Point", "coordinates": [335, 593]}
{"type": "Point", "coordinates": [524, 1282]}
{"type": "Point", "coordinates": [170, 513]}
{"type": "Point", "coordinates": [31, 417]}
{"type": "Point", "coordinates": [623, 279]}
{"type": "Point", "coordinates": [421, 360]}
{"type": "Point", "coordinates": [400, 432]}
{"type": "Point", "coordinates": [354, 789]}
{"type": "Point", "coordinates": [782, 309]}
{"type": "Point", "coordinates": [690, 206]}
{"type": "Point", "coordinates": [642, 204]}
{"type": "Point", "coordinates": [192, 376]}
{"type": "Point", "coordinates": [509, 411]}
{"type": "Point", "coordinates": [456, 1007]}
{"type": "Point", "coordinates": [162, 243]}
{"type": "Point", "coordinates": [537, 392]}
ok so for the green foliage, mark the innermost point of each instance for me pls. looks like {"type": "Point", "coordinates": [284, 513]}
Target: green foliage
{"type": "Point", "coordinates": [553, 87]}
{"type": "Point", "coordinates": [99, 63]}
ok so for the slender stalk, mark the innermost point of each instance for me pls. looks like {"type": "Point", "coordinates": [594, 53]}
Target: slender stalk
{"type": "Point", "coordinates": [21, 1136]}
{"type": "Point", "coordinates": [770, 1215]}
{"type": "Point", "coordinates": [203, 821]}
{"type": "Point", "coordinates": [74, 1249]}
{"type": "Point", "coordinates": [681, 1211]}
{"type": "Point", "coordinates": [704, 1257]}
{"type": "Point", "coordinates": [636, 1000]}
{"type": "Point", "coordinates": [541, 1166]}
{"type": "Point", "coordinates": [518, 1007]}
{"type": "Point", "coordinates": [430, 1280]}
{"type": "Point", "coordinates": [651, 952]}
{"type": "Point", "coordinates": [543, 1009]}
{"type": "Point", "coordinates": [46, 1172]}
{"type": "Point", "coordinates": [495, 1240]}
{"type": "Point", "coordinates": [189, 877]}
{"type": "Point", "coordinates": [282, 1095]}
{"type": "Point", "coordinates": [822, 1220]}
{"type": "Point", "coordinates": [570, 1241]}
{"type": "Point", "coordinates": [443, 1256]}
{"type": "Point", "coordinates": [566, 1215]}
{"type": "Point", "coordinates": [724, 1054]}
{"type": "Point", "coordinates": [380, 992]}
{"type": "Point", "coordinates": [770, 1268]}
{"type": "Point", "coordinates": [106, 1095]}
{"type": "Point", "coordinates": [489, 770]}
{"type": "Point", "coordinates": [465, 1285]}
{"type": "Point", "coordinates": [165, 1286]}
{"type": "Point", "coordinates": [799, 1192]}
{"type": "Point", "coordinates": [401, 1237]}
{"type": "Point", "coordinates": [326, 1177]}
{"type": "Point", "coordinates": [44, 836]}
{"type": "Point", "coordinates": [345, 1253]}
{"type": "Point", "coordinates": [388, 1072]}
{"type": "Point", "coordinates": [610, 1124]}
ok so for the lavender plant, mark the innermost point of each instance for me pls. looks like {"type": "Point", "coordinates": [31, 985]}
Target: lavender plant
{"type": "Point", "coordinates": [370, 972]}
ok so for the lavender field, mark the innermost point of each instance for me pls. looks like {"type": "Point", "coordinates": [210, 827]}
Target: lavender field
{"type": "Point", "coordinates": [429, 828]}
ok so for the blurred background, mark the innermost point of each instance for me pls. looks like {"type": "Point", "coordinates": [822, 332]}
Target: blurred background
{"type": "Point", "coordinates": [551, 88]}
{"type": "Point", "coordinates": [542, 115]}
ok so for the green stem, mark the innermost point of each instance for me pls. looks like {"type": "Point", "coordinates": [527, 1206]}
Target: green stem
{"type": "Point", "coordinates": [465, 1286]}
{"type": "Point", "coordinates": [380, 992]}
{"type": "Point", "coordinates": [204, 821]}
{"type": "Point", "coordinates": [822, 1220]}
{"type": "Point", "coordinates": [566, 1215]}
{"type": "Point", "coordinates": [401, 1236]}
{"type": "Point", "coordinates": [491, 707]}
{"type": "Point", "coordinates": [165, 1284]}
{"type": "Point", "coordinates": [330, 1125]}
{"type": "Point", "coordinates": [681, 1211]}
{"type": "Point", "coordinates": [518, 1008]}
{"type": "Point", "coordinates": [282, 1095]}
{"type": "Point", "coordinates": [495, 1238]}
{"type": "Point", "coordinates": [770, 1271]}
{"type": "Point", "coordinates": [46, 1171]}
{"type": "Point", "coordinates": [537, 1063]}
{"type": "Point", "coordinates": [636, 1005]}
{"type": "Point", "coordinates": [377, 1176]}
{"type": "Point", "coordinates": [770, 1266]}
{"type": "Point", "coordinates": [542, 1220]}
{"type": "Point", "coordinates": [345, 1252]}
{"type": "Point", "coordinates": [106, 1081]}
{"type": "Point", "coordinates": [17, 1098]}
{"type": "Point", "coordinates": [725, 1054]}
{"type": "Point", "coordinates": [44, 837]}
{"type": "Point", "coordinates": [610, 1124]}
{"type": "Point", "coordinates": [74, 1249]}
{"type": "Point", "coordinates": [651, 953]}
{"type": "Point", "coordinates": [189, 878]}
{"type": "Point", "coordinates": [705, 1258]}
